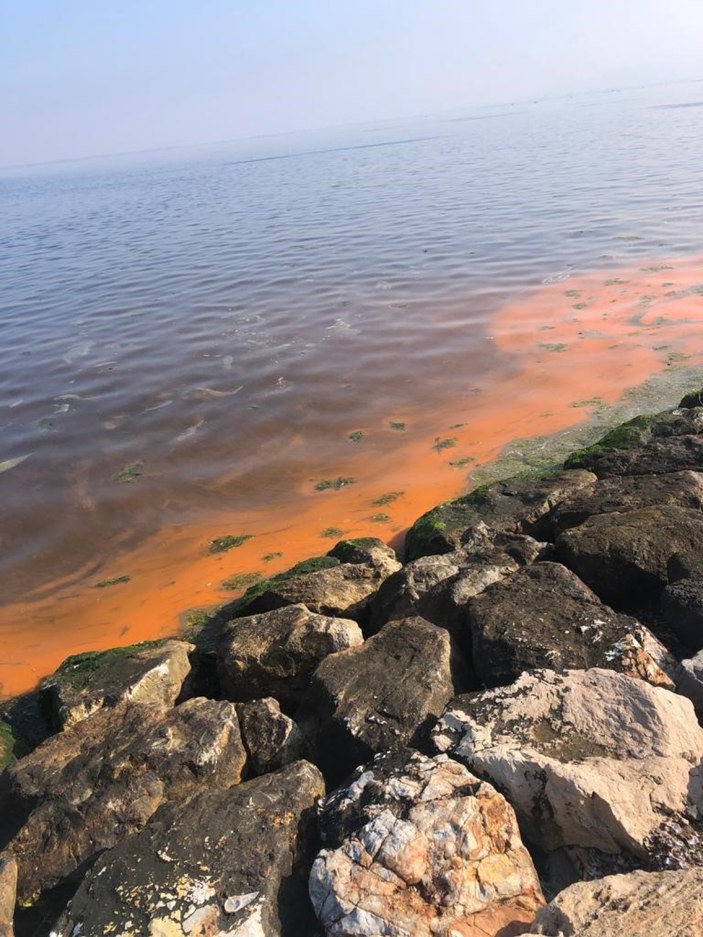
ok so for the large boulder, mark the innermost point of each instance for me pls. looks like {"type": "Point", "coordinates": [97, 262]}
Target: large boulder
{"type": "Point", "coordinates": [661, 456]}
{"type": "Point", "coordinates": [222, 863]}
{"type": "Point", "coordinates": [625, 557]}
{"type": "Point", "coordinates": [338, 584]}
{"type": "Point", "coordinates": [629, 493]}
{"type": "Point", "coordinates": [682, 610]}
{"type": "Point", "coordinates": [588, 758]}
{"type": "Point", "coordinates": [545, 617]}
{"type": "Point", "coordinates": [8, 894]}
{"type": "Point", "coordinates": [275, 653]}
{"type": "Point", "coordinates": [690, 681]}
{"type": "Point", "coordinates": [515, 504]}
{"type": "Point", "coordinates": [270, 737]}
{"type": "Point", "coordinates": [87, 788]}
{"type": "Point", "coordinates": [420, 846]}
{"type": "Point", "coordinates": [152, 672]}
{"type": "Point", "coordinates": [379, 696]}
{"type": "Point", "coordinates": [669, 904]}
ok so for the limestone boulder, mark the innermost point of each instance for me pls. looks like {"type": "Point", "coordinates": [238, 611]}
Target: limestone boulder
{"type": "Point", "coordinates": [624, 557]}
{"type": "Point", "coordinates": [380, 696]}
{"type": "Point", "coordinates": [543, 616]}
{"type": "Point", "coordinates": [275, 653]}
{"type": "Point", "coordinates": [84, 790]}
{"type": "Point", "coordinates": [152, 672]}
{"type": "Point", "coordinates": [420, 846]}
{"type": "Point", "coordinates": [338, 584]}
{"type": "Point", "coordinates": [629, 493]}
{"type": "Point", "coordinates": [682, 610]}
{"type": "Point", "coordinates": [219, 864]}
{"type": "Point", "coordinates": [589, 759]}
{"type": "Point", "coordinates": [515, 504]}
{"type": "Point", "coordinates": [690, 680]}
{"type": "Point", "coordinates": [271, 738]}
{"type": "Point", "coordinates": [633, 905]}
{"type": "Point", "coordinates": [8, 894]}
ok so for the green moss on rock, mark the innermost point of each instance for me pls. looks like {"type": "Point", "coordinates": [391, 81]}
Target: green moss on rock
{"type": "Point", "coordinates": [691, 400]}
{"type": "Point", "coordinates": [79, 669]}
{"type": "Point", "coordinates": [636, 432]}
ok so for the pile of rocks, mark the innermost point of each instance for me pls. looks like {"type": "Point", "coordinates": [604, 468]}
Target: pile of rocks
{"type": "Point", "coordinates": [370, 748]}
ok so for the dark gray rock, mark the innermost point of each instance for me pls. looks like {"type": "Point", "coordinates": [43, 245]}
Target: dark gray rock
{"type": "Point", "coordinates": [229, 862]}
{"type": "Point", "coordinates": [624, 557]}
{"type": "Point", "coordinates": [271, 738]}
{"type": "Point", "coordinates": [87, 788]}
{"type": "Point", "coordinates": [545, 617]}
{"type": "Point", "coordinates": [661, 456]}
{"type": "Point", "coordinates": [382, 695]}
{"type": "Point", "coordinates": [275, 653]}
{"type": "Point", "coordinates": [152, 672]}
{"type": "Point", "coordinates": [682, 610]}
{"type": "Point", "coordinates": [521, 505]}
{"type": "Point", "coordinates": [630, 493]}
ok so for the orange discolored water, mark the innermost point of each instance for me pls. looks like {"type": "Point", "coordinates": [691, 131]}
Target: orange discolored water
{"type": "Point", "coordinates": [193, 341]}
{"type": "Point", "coordinates": [569, 346]}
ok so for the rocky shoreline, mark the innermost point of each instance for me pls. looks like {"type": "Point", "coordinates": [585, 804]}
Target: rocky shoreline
{"type": "Point", "coordinates": [499, 736]}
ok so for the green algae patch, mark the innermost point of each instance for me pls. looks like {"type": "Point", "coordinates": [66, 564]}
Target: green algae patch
{"type": "Point", "coordinates": [270, 557]}
{"type": "Point", "coordinates": [462, 462]}
{"type": "Point", "coordinates": [380, 518]}
{"type": "Point", "coordinates": [354, 550]}
{"type": "Point", "coordinates": [334, 484]}
{"type": "Point", "coordinates": [130, 473]}
{"type": "Point", "coordinates": [572, 294]}
{"type": "Point", "coordinates": [228, 542]}
{"type": "Point", "coordinates": [240, 581]}
{"type": "Point", "coordinates": [332, 532]}
{"type": "Point", "coordinates": [633, 433]}
{"type": "Point", "coordinates": [115, 581]}
{"type": "Point", "coordinates": [78, 670]}
{"type": "Point", "coordinates": [589, 402]}
{"type": "Point", "coordinates": [259, 586]}
{"type": "Point", "coordinates": [7, 745]}
{"type": "Point", "coordinates": [397, 425]}
{"type": "Point", "coordinates": [388, 498]}
{"type": "Point", "coordinates": [552, 346]}
{"type": "Point", "coordinates": [356, 436]}
{"type": "Point", "coordinates": [440, 445]}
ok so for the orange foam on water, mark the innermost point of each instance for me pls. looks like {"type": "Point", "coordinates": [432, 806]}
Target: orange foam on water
{"type": "Point", "coordinates": [566, 343]}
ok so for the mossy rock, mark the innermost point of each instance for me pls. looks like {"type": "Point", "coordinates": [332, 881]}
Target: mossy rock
{"type": "Point", "coordinates": [356, 549]}
{"type": "Point", "coordinates": [440, 529]}
{"type": "Point", "coordinates": [691, 400]}
{"type": "Point", "coordinates": [80, 670]}
{"type": "Point", "coordinates": [239, 607]}
{"type": "Point", "coordinates": [12, 745]}
{"type": "Point", "coordinates": [636, 432]}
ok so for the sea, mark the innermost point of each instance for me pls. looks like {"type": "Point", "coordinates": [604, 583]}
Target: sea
{"type": "Point", "coordinates": [293, 339]}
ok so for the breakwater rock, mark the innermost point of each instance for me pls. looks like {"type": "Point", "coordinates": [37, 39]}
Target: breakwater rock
{"type": "Point", "coordinates": [500, 736]}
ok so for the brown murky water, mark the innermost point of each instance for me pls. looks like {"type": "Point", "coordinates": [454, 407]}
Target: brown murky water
{"type": "Point", "coordinates": [185, 368]}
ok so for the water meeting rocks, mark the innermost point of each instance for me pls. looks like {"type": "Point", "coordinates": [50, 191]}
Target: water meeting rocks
{"type": "Point", "coordinates": [632, 905]}
{"type": "Point", "coordinates": [587, 758]}
{"type": "Point", "coordinates": [379, 696]}
{"type": "Point", "coordinates": [420, 846]}
{"type": "Point", "coordinates": [543, 616]}
{"type": "Point", "coordinates": [515, 504]}
{"type": "Point", "coordinates": [275, 653]}
{"type": "Point", "coordinates": [85, 789]}
{"type": "Point", "coordinates": [147, 673]}
{"type": "Point", "coordinates": [219, 864]}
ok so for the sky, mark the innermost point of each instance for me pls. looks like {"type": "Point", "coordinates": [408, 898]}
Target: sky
{"type": "Point", "coordinates": [81, 78]}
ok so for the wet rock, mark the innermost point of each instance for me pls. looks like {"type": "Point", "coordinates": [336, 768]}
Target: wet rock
{"type": "Point", "coordinates": [85, 789]}
{"type": "Point", "coordinates": [419, 587]}
{"type": "Point", "coordinates": [630, 493]}
{"type": "Point", "coordinates": [587, 758]}
{"type": "Point", "coordinates": [152, 672]}
{"type": "Point", "coordinates": [275, 653]}
{"type": "Point", "coordinates": [423, 848]}
{"type": "Point", "coordinates": [271, 738]}
{"type": "Point", "coordinates": [8, 893]}
{"type": "Point", "coordinates": [326, 585]}
{"type": "Point", "coordinates": [222, 863]}
{"type": "Point", "coordinates": [545, 617]}
{"type": "Point", "coordinates": [690, 681]}
{"type": "Point", "coordinates": [682, 610]}
{"type": "Point", "coordinates": [691, 400]}
{"type": "Point", "coordinates": [624, 557]}
{"type": "Point", "coordinates": [379, 696]}
{"type": "Point", "coordinates": [516, 504]}
{"type": "Point", "coordinates": [663, 903]}
{"type": "Point", "coordinates": [661, 456]}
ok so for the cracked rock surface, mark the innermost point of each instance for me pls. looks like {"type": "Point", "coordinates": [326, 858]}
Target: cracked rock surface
{"type": "Point", "coordinates": [425, 848]}
{"type": "Point", "coordinates": [587, 758]}
{"type": "Point", "coordinates": [226, 863]}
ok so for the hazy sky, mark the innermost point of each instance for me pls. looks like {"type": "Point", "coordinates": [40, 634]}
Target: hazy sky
{"type": "Point", "coordinates": [84, 77]}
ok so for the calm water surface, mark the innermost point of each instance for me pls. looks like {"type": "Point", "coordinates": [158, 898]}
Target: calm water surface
{"type": "Point", "coordinates": [193, 335]}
